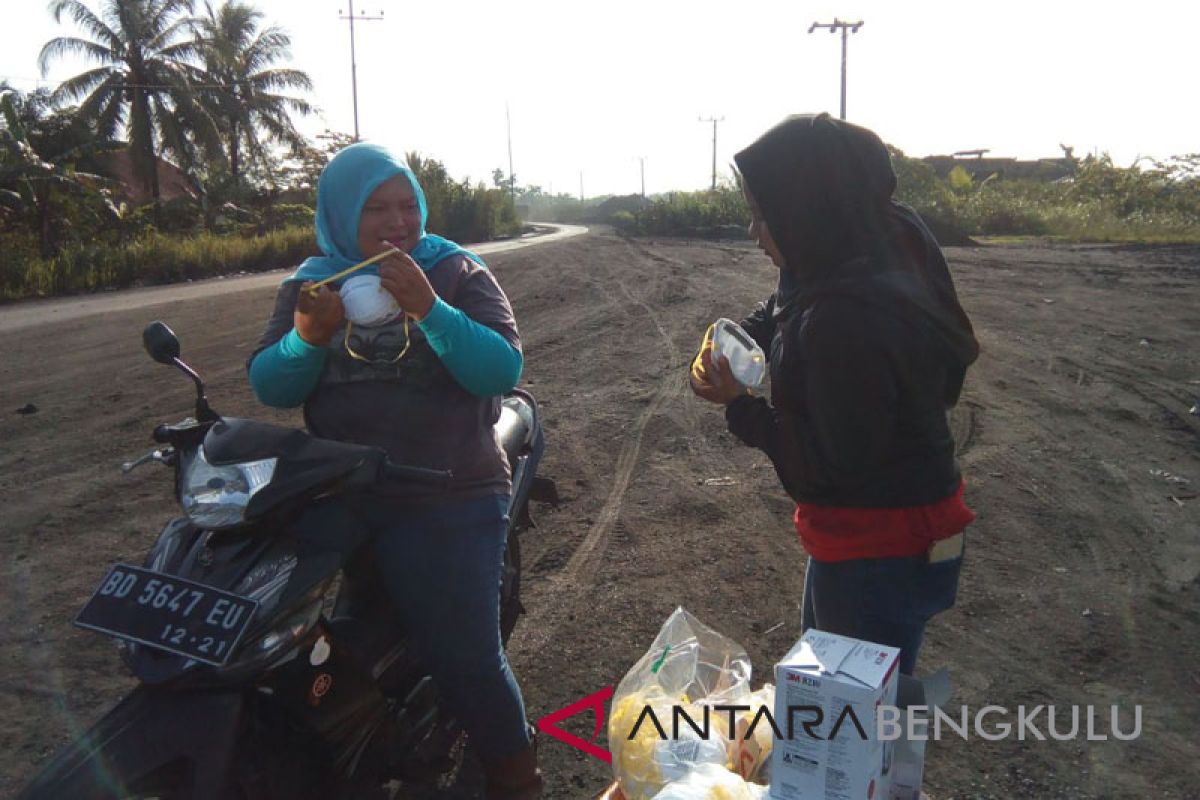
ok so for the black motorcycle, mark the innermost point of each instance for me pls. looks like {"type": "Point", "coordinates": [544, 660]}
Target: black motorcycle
{"type": "Point", "coordinates": [271, 663]}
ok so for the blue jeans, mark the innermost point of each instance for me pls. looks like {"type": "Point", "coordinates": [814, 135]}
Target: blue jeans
{"type": "Point", "coordinates": [442, 566]}
{"type": "Point", "coordinates": [881, 600]}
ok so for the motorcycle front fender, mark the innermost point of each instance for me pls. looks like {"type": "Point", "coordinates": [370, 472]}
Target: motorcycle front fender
{"type": "Point", "coordinates": [149, 731]}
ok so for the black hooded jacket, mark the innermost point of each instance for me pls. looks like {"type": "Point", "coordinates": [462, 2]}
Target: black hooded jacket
{"type": "Point", "coordinates": [868, 345]}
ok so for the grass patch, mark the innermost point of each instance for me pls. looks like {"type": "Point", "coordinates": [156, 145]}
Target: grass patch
{"type": "Point", "coordinates": [152, 258]}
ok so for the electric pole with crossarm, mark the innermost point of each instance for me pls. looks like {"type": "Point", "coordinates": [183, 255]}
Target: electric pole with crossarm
{"type": "Point", "coordinates": [714, 121]}
{"type": "Point", "coordinates": [353, 66]}
{"type": "Point", "coordinates": [851, 27]}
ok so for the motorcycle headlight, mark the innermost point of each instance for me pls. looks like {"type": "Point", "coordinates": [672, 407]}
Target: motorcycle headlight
{"type": "Point", "coordinates": [216, 496]}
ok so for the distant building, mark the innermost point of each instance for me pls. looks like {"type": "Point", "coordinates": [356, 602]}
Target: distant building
{"type": "Point", "coordinates": [172, 181]}
{"type": "Point", "coordinates": [973, 161]}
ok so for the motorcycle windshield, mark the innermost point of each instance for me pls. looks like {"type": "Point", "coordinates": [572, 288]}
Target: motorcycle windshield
{"type": "Point", "coordinates": [234, 440]}
{"type": "Point", "coordinates": [305, 464]}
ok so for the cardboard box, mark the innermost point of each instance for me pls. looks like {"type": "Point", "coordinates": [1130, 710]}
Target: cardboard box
{"type": "Point", "coordinates": [828, 691]}
{"type": "Point", "coordinates": [908, 757]}
{"type": "Point", "coordinates": [907, 768]}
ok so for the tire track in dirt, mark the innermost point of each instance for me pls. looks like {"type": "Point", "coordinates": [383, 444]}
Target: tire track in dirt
{"type": "Point", "coordinates": [583, 560]}
{"type": "Point", "coordinates": [691, 412]}
{"type": "Point", "coordinates": [587, 557]}
{"type": "Point", "coordinates": [545, 622]}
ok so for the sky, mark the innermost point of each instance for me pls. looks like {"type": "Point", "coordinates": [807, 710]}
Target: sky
{"type": "Point", "coordinates": [597, 91]}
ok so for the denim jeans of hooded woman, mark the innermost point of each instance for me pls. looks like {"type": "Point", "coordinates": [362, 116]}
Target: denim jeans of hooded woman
{"type": "Point", "coordinates": [887, 601]}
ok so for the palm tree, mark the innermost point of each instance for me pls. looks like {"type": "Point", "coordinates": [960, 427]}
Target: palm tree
{"type": "Point", "coordinates": [238, 57]}
{"type": "Point", "coordinates": [30, 181]}
{"type": "Point", "coordinates": [143, 83]}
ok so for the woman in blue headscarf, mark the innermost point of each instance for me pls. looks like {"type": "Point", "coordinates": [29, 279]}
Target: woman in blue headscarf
{"type": "Point", "coordinates": [413, 358]}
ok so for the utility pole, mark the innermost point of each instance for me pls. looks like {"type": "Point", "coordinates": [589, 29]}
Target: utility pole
{"type": "Point", "coordinates": [512, 179]}
{"type": "Point", "coordinates": [353, 66]}
{"type": "Point", "coordinates": [714, 121]}
{"type": "Point", "coordinates": [642, 161]}
{"type": "Point", "coordinates": [851, 27]}
{"type": "Point", "coordinates": [580, 187]}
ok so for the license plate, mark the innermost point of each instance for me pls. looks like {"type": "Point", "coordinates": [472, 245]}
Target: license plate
{"type": "Point", "coordinates": [168, 613]}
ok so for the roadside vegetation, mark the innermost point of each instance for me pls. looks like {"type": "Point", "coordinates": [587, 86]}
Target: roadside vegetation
{"type": "Point", "coordinates": [175, 155]}
{"type": "Point", "coordinates": [1156, 202]}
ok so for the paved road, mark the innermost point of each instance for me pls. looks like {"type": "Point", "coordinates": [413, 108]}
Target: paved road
{"type": "Point", "coordinates": [39, 312]}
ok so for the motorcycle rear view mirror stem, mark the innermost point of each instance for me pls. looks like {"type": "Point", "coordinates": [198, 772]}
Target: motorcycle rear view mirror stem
{"type": "Point", "coordinates": [163, 346]}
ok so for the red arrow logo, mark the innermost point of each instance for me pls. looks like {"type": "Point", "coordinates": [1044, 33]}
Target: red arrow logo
{"type": "Point", "coordinates": [549, 723]}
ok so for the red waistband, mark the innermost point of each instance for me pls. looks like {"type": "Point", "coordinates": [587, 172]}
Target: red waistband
{"type": "Point", "coordinates": [833, 533]}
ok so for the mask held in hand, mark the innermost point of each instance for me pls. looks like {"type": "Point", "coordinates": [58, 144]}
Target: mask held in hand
{"type": "Point", "coordinates": [367, 303]}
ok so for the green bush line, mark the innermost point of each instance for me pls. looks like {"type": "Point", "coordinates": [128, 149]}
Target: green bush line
{"type": "Point", "coordinates": [700, 213]}
{"type": "Point", "coordinates": [152, 258]}
{"type": "Point", "coordinates": [93, 249]}
{"type": "Point", "coordinates": [1100, 203]}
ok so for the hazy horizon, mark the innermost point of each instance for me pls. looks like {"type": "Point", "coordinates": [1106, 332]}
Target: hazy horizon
{"type": "Point", "coordinates": [591, 88]}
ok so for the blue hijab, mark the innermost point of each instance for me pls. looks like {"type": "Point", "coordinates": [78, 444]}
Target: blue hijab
{"type": "Point", "coordinates": [346, 182]}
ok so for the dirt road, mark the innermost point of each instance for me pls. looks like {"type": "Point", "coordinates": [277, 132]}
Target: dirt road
{"type": "Point", "coordinates": [1083, 462]}
{"type": "Point", "coordinates": [61, 309]}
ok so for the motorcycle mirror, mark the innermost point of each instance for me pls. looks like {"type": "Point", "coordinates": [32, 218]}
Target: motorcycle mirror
{"type": "Point", "coordinates": [163, 346]}
{"type": "Point", "coordinates": [161, 343]}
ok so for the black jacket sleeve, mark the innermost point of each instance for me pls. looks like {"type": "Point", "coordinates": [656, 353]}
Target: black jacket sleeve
{"type": "Point", "coordinates": [834, 392]}
{"type": "Point", "coordinates": [760, 324]}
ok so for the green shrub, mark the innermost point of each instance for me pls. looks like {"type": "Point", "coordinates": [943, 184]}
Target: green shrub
{"type": "Point", "coordinates": [153, 258]}
{"type": "Point", "coordinates": [704, 213]}
{"type": "Point", "coordinates": [284, 215]}
{"type": "Point", "coordinates": [460, 211]}
{"type": "Point", "coordinates": [625, 222]}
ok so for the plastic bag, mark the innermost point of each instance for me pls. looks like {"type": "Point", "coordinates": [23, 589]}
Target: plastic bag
{"type": "Point", "coordinates": [746, 359]}
{"type": "Point", "coordinates": [725, 338]}
{"type": "Point", "coordinates": [706, 344]}
{"type": "Point", "coordinates": [709, 782]}
{"type": "Point", "coordinates": [689, 666]}
{"type": "Point", "coordinates": [750, 756]}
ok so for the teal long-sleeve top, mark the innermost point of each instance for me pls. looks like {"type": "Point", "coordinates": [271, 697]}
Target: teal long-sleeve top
{"type": "Point", "coordinates": [479, 358]}
{"type": "Point", "coordinates": [470, 328]}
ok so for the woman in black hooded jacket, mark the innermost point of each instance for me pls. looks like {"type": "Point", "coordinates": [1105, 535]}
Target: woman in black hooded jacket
{"type": "Point", "coordinates": [868, 349]}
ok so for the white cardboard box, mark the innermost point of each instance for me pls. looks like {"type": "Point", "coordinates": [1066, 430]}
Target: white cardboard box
{"type": "Point", "coordinates": [908, 757]}
{"type": "Point", "coordinates": [836, 685]}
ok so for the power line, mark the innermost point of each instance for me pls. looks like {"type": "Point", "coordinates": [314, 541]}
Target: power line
{"type": "Point", "coordinates": [354, 66]}
{"type": "Point", "coordinates": [23, 79]}
{"type": "Point", "coordinates": [714, 121]}
{"type": "Point", "coordinates": [833, 28]}
{"type": "Point", "coordinates": [123, 86]}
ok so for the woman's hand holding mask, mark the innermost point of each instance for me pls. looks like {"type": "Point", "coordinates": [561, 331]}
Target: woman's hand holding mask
{"type": "Point", "coordinates": [714, 382]}
{"type": "Point", "coordinates": [406, 281]}
{"type": "Point", "coordinates": [319, 315]}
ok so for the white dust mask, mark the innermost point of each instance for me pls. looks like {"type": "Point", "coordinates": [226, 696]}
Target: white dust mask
{"type": "Point", "coordinates": [366, 302]}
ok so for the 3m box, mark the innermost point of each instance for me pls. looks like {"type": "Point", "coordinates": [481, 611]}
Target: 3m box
{"type": "Point", "coordinates": [908, 765]}
{"type": "Point", "coordinates": [915, 701]}
{"type": "Point", "coordinates": [828, 691]}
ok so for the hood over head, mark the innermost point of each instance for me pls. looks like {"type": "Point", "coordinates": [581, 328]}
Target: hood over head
{"type": "Point", "coordinates": [824, 188]}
